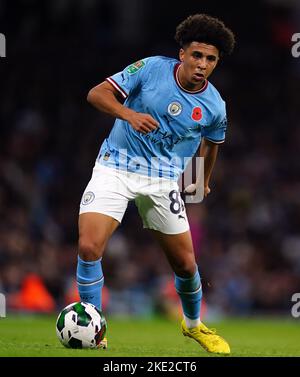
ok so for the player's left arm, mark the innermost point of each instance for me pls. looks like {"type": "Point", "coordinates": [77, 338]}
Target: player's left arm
{"type": "Point", "coordinates": [209, 151]}
{"type": "Point", "coordinates": [212, 137]}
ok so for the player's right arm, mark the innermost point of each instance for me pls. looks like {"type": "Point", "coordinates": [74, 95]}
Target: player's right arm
{"type": "Point", "coordinates": [105, 98]}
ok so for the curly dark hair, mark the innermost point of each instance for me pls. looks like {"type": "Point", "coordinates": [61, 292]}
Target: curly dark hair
{"type": "Point", "coordinates": [205, 29]}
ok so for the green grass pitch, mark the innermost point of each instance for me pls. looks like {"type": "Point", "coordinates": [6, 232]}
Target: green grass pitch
{"type": "Point", "coordinates": [35, 336]}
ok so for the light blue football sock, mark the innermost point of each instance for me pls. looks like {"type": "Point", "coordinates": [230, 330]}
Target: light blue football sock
{"type": "Point", "coordinates": [90, 281]}
{"type": "Point", "coordinates": [190, 293]}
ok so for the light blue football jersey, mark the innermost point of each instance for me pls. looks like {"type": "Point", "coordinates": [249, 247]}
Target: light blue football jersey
{"type": "Point", "coordinates": [151, 86]}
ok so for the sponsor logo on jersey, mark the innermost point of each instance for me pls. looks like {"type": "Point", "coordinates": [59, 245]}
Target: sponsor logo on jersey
{"type": "Point", "coordinates": [133, 68]}
{"type": "Point", "coordinates": [87, 198]}
{"type": "Point", "coordinates": [174, 108]}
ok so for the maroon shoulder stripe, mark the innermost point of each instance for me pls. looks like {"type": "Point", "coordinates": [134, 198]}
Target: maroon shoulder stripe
{"type": "Point", "coordinates": [115, 85]}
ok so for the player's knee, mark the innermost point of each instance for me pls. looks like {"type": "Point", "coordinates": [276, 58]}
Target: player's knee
{"type": "Point", "coordinates": [185, 268]}
{"type": "Point", "coordinates": [90, 250]}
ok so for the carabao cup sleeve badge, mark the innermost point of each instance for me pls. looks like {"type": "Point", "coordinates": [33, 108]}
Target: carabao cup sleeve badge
{"type": "Point", "coordinates": [133, 68]}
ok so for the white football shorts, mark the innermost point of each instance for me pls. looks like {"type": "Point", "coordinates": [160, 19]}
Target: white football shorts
{"type": "Point", "coordinates": [158, 199]}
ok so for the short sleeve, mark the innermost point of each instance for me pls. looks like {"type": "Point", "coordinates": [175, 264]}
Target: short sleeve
{"type": "Point", "coordinates": [216, 132]}
{"type": "Point", "coordinates": [130, 78]}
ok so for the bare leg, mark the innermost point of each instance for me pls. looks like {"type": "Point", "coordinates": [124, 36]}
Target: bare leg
{"type": "Point", "coordinates": [180, 254]}
{"type": "Point", "coordinates": [179, 251]}
{"type": "Point", "coordinates": [95, 230]}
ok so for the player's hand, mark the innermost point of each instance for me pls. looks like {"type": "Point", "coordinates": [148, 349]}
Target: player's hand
{"type": "Point", "coordinates": [143, 123]}
{"type": "Point", "coordinates": [206, 191]}
{"type": "Point", "coordinates": [190, 189]}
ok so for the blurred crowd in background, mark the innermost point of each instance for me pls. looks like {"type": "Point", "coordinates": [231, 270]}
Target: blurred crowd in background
{"type": "Point", "coordinates": [246, 233]}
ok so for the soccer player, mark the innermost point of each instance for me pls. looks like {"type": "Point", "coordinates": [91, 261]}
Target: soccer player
{"type": "Point", "coordinates": [170, 108]}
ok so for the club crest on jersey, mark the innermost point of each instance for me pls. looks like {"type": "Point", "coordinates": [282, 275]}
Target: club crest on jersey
{"type": "Point", "coordinates": [197, 113]}
{"type": "Point", "coordinates": [133, 68]}
{"type": "Point", "coordinates": [174, 108]}
{"type": "Point", "coordinates": [87, 198]}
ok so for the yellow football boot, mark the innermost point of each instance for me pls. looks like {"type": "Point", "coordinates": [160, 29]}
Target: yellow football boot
{"type": "Point", "coordinates": [207, 338]}
{"type": "Point", "coordinates": [103, 344]}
